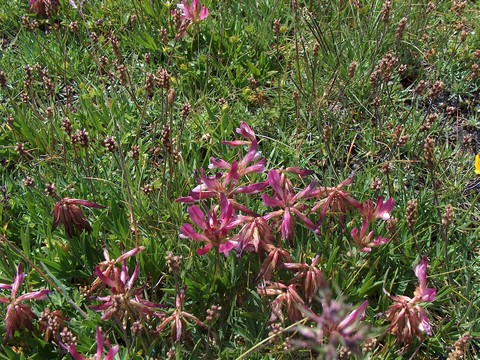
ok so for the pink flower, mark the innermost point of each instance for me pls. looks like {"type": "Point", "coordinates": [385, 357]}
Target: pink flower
{"type": "Point", "coordinates": [366, 241]}
{"type": "Point", "coordinates": [193, 13]}
{"type": "Point", "coordinates": [381, 211]}
{"type": "Point", "coordinates": [214, 229]}
{"type": "Point", "coordinates": [407, 317]}
{"type": "Point", "coordinates": [335, 200]}
{"type": "Point", "coordinates": [289, 203]}
{"type": "Point", "coordinates": [255, 234]}
{"type": "Point", "coordinates": [112, 350]}
{"type": "Point", "coordinates": [124, 301]}
{"type": "Point", "coordinates": [67, 213]}
{"type": "Point", "coordinates": [178, 318]}
{"type": "Point", "coordinates": [19, 316]}
{"type": "Point", "coordinates": [108, 267]}
{"type": "Point", "coordinates": [332, 328]}
{"type": "Point", "coordinates": [365, 238]}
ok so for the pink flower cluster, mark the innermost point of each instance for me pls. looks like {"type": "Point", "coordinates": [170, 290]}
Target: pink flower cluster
{"type": "Point", "coordinates": [288, 205]}
{"type": "Point", "coordinates": [406, 316]}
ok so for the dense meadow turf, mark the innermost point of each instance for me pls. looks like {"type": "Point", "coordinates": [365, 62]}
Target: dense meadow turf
{"type": "Point", "coordinates": [261, 179]}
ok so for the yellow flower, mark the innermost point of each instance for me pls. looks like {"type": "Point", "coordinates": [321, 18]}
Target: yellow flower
{"type": "Point", "coordinates": [477, 164]}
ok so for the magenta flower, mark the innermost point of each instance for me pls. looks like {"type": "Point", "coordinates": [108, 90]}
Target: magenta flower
{"type": "Point", "coordinates": [112, 350]}
{"type": "Point", "coordinates": [67, 213]}
{"type": "Point", "coordinates": [332, 328]}
{"type": "Point", "coordinates": [178, 319]}
{"type": "Point", "coordinates": [365, 239]}
{"type": "Point", "coordinates": [287, 200]}
{"type": "Point", "coordinates": [335, 200]}
{"type": "Point", "coordinates": [19, 316]}
{"type": "Point", "coordinates": [214, 230]}
{"type": "Point", "coordinates": [109, 268]}
{"type": "Point", "coordinates": [253, 155]}
{"type": "Point", "coordinates": [407, 317]}
{"type": "Point", "coordinates": [124, 301]}
{"type": "Point", "coordinates": [381, 211]}
{"type": "Point", "coordinates": [193, 13]}
{"type": "Point", "coordinates": [255, 234]}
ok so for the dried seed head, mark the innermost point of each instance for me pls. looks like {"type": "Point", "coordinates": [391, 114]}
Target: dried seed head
{"type": "Point", "coordinates": [166, 138]}
{"type": "Point", "coordinates": [174, 262]}
{"type": "Point", "coordinates": [327, 133]}
{"type": "Point", "coordinates": [103, 61]}
{"type": "Point", "coordinates": [135, 152]}
{"type": "Point", "coordinates": [369, 345]}
{"type": "Point", "coordinates": [448, 216]}
{"type": "Point", "coordinates": [163, 35]}
{"type": "Point", "coordinates": [122, 74]}
{"type": "Point", "coordinates": [411, 214]}
{"type": "Point", "coordinates": [461, 346]}
{"type": "Point", "coordinates": [397, 132]}
{"type": "Point", "coordinates": [401, 28]}
{"type": "Point", "coordinates": [386, 168]}
{"type": "Point", "coordinates": [376, 185]}
{"type": "Point", "coordinates": [28, 181]}
{"type": "Point", "coordinates": [276, 27]}
{"type": "Point", "coordinates": [296, 96]}
{"type": "Point", "coordinates": [392, 225]}
{"type": "Point", "coordinates": [20, 149]}
{"type": "Point", "coordinates": [10, 120]}
{"type": "Point", "coordinates": [403, 140]}
{"type": "Point", "coordinates": [275, 328]}
{"type": "Point", "coordinates": [67, 126]}
{"type": "Point", "coordinates": [150, 84]}
{"type": "Point", "coordinates": [344, 353]}
{"type": "Point", "coordinates": [387, 6]}
{"type": "Point", "coordinates": [436, 89]}
{"type": "Point", "coordinates": [137, 328]}
{"type": "Point", "coordinates": [50, 189]}
{"type": "Point", "coordinates": [67, 338]}
{"type": "Point", "coordinates": [3, 79]}
{"type": "Point", "coordinates": [116, 47]}
{"type": "Point", "coordinates": [458, 6]}
{"type": "Point", "coordinates": [252, 83]}
{"type": "Point", "coordinates": [49, 112]}
{"type": "Point", "coordinates": [147, 189]}
{"type": "Point", "coordinates": [402, 68]}
{"type": "Point", "coordinates": [83, 138]}
{"type": "Point", "coordinates": [421, 87]}
{"type": "Point", "coordinates": [109, 143]}
{"type": "Point", "coordinates": [147, 58]}
{"type": "Point", "coordinates": [213, 313]}
{"type": "Point", "coordinates": [186, 109]}
{"type": "Point", "coordinates": [171, 354]}
{"type": "Point", "coordinates": [352, 68]}
{"type": "Point", "coordinates": [171, 95]}
{"type": "Point", "coordinates": [163, 78]}
{"type": "Point", "coordinates": [429, 148]}
{"type": "Point", "coordinates": [431, 7]}
{"type": "Point", "coordinates": [176, 156]}
{"type": "Point", "coordinates": [475, 72]}
{"type": "Point", "coordinates": [316, 49]}
{"type": "Point", "coordinates": [73, 27]}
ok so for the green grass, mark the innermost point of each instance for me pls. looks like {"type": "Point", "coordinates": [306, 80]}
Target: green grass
{"type": "Point", "coordinates": [302, 84]}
